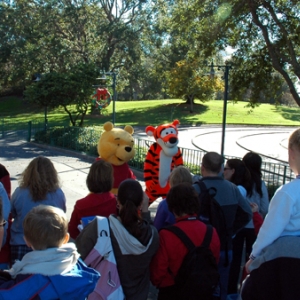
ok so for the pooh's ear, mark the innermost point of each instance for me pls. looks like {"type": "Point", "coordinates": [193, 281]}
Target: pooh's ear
{"type": "Point", "coordinates": [150, 130]}
{"type": "Point", "coordinates": [129, 129]}
{"type": "Point", "coordinates": [108, 126]}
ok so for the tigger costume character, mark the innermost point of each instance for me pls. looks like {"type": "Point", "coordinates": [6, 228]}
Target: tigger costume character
{"type": "Point", "coordinates": [161, 158]}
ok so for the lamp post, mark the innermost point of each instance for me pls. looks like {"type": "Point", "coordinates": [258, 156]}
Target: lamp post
{"type": "Point", "coordinates": [225, 69]}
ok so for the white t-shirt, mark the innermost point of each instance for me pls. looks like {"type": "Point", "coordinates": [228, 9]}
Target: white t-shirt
{"type": "Point", "coordinates": [283, 218]}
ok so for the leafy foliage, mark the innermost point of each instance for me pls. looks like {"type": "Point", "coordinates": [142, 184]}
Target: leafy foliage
{"type": "Point", "coordinates": [65, 89]}
{"type": "Point", "coordinates": [265, 35]}
{"type": "Point", "coordinates": [52, 35]}
{"type": "Point", "coordinates": [188, 81]}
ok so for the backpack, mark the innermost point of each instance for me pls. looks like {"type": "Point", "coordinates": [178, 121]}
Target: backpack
{"type": "Point", "coordinates": [211, 213]}
{"type": "Point", "coordinates": [198, 275]}
{"type": "Point", "coordinates": [102, 259]}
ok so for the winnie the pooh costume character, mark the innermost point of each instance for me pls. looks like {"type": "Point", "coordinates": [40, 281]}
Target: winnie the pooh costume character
{"type": "Point", "coordinates": [161, 159]}
{"type": "Point", "coordinates": [116, 146]}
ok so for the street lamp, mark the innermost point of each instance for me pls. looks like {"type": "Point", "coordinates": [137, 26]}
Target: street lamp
{"type": "Point", "coordinates": [225, 69]}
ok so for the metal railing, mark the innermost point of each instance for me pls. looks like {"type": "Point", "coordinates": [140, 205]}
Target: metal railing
{"type": "Point", "coordinates": [85, 139]}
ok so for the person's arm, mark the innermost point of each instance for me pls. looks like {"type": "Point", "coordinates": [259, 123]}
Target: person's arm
{"type": "Point", "coordinates": [5, 179]}
{"type": "Point", "coordinates": [74, 222]}
{"type": "Point", "coordinates": [7, 184]}
{"type": "Point", "coordinates": [131, 174]}
{"type": "Point", "coordinates": [264, 200]}
{"type": "Point", "coordinates": [242, 190]}
{"type": "Point", "coordinates": [215, 245]}
{"type": "Point", "coordinates": [6, 206]}
{"type": "Point", "coordinates": [280, 211]}
{"type": "Point", "coordinates": [87, 239]}
{"type": "Point", "coordinates": [257, 221]}
{"type": "Point", "coordinates": [148, 165]}
{"type": "Point", "coordinates": [64, 208]}
{"type": "Point", "coordinates": [145, 208]}
{"type": "Point", "coordinates": [161, 215]}
{"type": "Point", "coordinates": [160, 263]}
{"type": "Point", "coordinates": [243, 213]}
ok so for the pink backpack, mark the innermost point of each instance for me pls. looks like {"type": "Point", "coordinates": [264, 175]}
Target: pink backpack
{"type": "Point", "coordinates": [102, 259]}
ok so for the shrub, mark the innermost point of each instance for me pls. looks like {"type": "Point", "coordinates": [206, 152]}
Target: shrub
{"type": "Point", "coordinates": [83, 139]}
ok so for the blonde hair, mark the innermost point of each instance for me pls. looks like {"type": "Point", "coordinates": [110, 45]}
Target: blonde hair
{"type": "Point", "coordinates": [294, 140]}
{"type": "Point", "coordinates": [180, 174]}
{"type": "Point", "coordinates": [45, 226]}
{"type": "Point", "coordinates": [40, 177]}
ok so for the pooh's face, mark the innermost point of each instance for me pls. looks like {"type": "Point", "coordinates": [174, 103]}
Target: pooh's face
{"type": "Point", "coordinates": [116, 145]}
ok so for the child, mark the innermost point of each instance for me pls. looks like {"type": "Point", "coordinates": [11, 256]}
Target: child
{"type": "Point", "coordinates": [52, 270]}
{"type": "Point", "coordinates": [283, 218]}
{"type": "Point", "coordinates": [163, 216]}
{"type": "Point", "coordinates": [38, 184]}
{"type": "Point", "coordinates": [100, 201]}
{"type": "Point", "coordinates": [134, 240]}
{"type": "Point", "coordinates": [182, 200]}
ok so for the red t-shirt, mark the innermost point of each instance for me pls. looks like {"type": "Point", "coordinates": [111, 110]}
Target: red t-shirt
{"type": "Point", "coordinates": [102, 204]}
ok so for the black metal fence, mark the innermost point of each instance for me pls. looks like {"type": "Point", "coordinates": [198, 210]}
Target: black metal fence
{"type": "Point", "coordinates": [85, 139]}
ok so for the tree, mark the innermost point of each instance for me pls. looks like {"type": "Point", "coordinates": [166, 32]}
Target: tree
{"type": "Point", "coordinates": [190, 82]}
{"type": "Point", "coordinates": [51, 35]}
{"type": "Point", "coordinates": [72, 90]}
{"type": "Point", "coordinates": [264, 33]}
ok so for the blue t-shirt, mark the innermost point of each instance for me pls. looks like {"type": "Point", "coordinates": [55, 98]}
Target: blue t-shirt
{"type": "Point", "coordinates": [22, 203]}
{"type": "Point", "coordinates": [163, 216]}
{"type": "Point", "coordinates": [5, 209]}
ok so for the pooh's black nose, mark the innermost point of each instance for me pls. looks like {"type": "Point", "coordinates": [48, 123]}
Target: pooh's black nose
{"type": "Point", "coordinates": [128, 149]}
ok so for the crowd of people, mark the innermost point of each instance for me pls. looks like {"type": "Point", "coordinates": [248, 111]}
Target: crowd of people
{"type": "Point", "coordinates": [44, 253]}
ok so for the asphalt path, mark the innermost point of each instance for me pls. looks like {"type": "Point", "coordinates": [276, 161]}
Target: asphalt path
{"type": "Point", "coordinates": [271, 142]}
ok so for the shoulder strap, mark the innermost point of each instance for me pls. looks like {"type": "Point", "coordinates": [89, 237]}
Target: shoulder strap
{"type": "Point", "coordinates": [208, 236]}
{"type": "Point", "coordinates": [212, 190]}
{"type": "Point", "coordinates": [182, 236]}
{"type": "Point", "coordinates": [187, 241]}
{"type": "Point", "coordinates": [201, 185]}
{"type": "Point", "coordinates": [102, 226]}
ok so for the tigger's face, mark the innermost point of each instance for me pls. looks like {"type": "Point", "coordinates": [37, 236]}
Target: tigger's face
{"type": "Point", "coordinates": [166, 135]}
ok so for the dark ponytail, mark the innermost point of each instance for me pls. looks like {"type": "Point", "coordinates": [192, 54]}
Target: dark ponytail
{"type": "Point", "coordinates": [130, 196]}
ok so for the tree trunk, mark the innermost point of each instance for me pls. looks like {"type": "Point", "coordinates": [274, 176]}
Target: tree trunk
{"type": "Point", "coordinates": [73, 122]}
{"type": "Point", "coordinates": [190, 101]}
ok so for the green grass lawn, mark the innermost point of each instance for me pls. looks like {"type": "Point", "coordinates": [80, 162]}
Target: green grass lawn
{"type": "Point", "coordinates": [154, 112]}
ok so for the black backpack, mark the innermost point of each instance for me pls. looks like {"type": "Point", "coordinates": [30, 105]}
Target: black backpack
{"type": "Point", "coordinates": [211, 213]}
{"type": "Point", "coordinates": [198, 274]}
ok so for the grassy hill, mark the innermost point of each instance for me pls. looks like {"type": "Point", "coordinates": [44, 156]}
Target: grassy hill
{"type": "Point", "coordinates": [155, 112]}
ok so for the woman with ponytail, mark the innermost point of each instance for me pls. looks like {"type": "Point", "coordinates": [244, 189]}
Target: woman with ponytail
{"type": "Point", "coordinates": [134, 240]}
